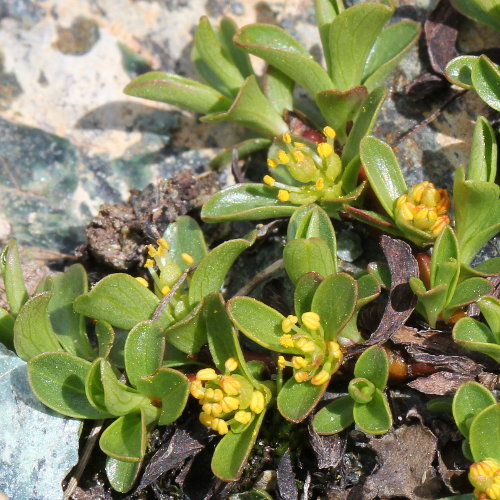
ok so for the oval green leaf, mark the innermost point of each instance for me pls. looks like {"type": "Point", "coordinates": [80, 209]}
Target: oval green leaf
{"type": "Point", "coordinates": [374, 417]}
{"type": "Point", "coordinates": [335, 416]}
{"type": "Point", "coordinates": [373, 365]}
{"type": "Point", "coordinates": [297, 400]}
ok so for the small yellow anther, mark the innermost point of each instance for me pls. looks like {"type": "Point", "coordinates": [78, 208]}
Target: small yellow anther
{"type": "Point", "coordinates": [299, 145]}
{"type": "Point", "coordinates": [231, 364]}
{"type": "Point", "coordinates": [298, 362]}
{"type": "Point", "coordinates": [283, 157]}
{"type": "Point", "coordinates": [230, 404]}
{"type": "Point", "coordinates": [243, 417]}
{"type": "Point", "coordinates": [218, 395]}
{"type": "Point", "coordinates": [320, 183]}
{"type": "Point", "coordinates": [162, 242]}
{"type": "Point", "coordinates": [287, 138]}
{"type": "Point", "coordinates": [217, 409]}
{"type": "Point", "coordinates": [206, 374]}
{"type": "Point", "coordinates": [301, 377]}
{"type": "Point", "coordinates": [149, 263]}
{"type": "Point", "coordinates": [334, 349]}
{"type": "Point", "coordinates": [281, 362]}
{"type": "Point", "coordinates": [209, 393]}
{"type": "Point", "coordinates": [269, 180]}
{"type": "Point", "coordinates": [286, 340]}
{"type": "Point", "coordinates": [258, 402]}
{"type": "Point", "coordinates": [438, 226]}
{"type": "Point", "coordinates": [283, 195]}
{"type": "Point", "coordinates": [306, 346]}
{"type": "Point", "coordinates": [220, 426]}
{"type": "Point", "coordinates": [230, 385]}
{"type": "Point", "coordinates": [206, 419]}
{"type": "Point", "coordinates": [142, 281]}
{"type": "Point", "coordinates": [187, 259]}
{"type": "Point", "coordinates": [288, 322]}
{"type": "Point", "coordinates": [196, 389]}
{"type": "Point", "coordinates": [329, 132]}
{"type": "Point", "coordinates": [298, 156]}
{"type": "Point", "coordinates": [325, 149]}
{"type": "Point", "coordinates": [485, 476]}
{"type": "Point", "coordinates": [311, 320]}
{"type": "Point", "coordinates": [152, 251]}
{"type": "Point", "coordinates": [165, 290]}
{"type": "Point", "coordinates": [272, 163]}
{"type": "Point", "coordinates": [320, 378]}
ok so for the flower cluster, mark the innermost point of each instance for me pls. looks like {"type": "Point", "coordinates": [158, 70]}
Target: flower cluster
{"type": "Point", "coordinates": [485, 477]}
{"type": "Point", "coordinates": [226, 400]}
{"type": "Point", "coordinates": [320, 360]}
{"type": "Point", "coordinates": [318, 169]}
{"type": "Point", "coordinates": [424, 207]}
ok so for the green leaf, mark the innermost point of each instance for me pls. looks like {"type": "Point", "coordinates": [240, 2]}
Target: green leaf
{"type": "Point", "coordinates": [185, 236]}
{"type": "Point", "coordinates": [252, 109]}
{"type": "Point", "coordinates": [259, 322]}
{"type": "Point", "coordinates": [430, 303]}
{"type": "Point", "coordinates": [33, 332]}
{"type": "Point", "coordinates": [383, 172]}
{"type": "Point", "coordinates": [352, 35]}
{"type": "Point", "coordinates": [227, 30]}
{"type": "Point", "coordinates": [208, 76]}
{"type": "Point", "coordinates": [105, 338]}
{"type": "Point", "coordinates": [253, 494]}
{"type": "Point", "coordinates": [126, 438]}
{"type": "Point", "coordinates": [469, 400]}
{"type": "Point", "coordinates": [177, 90]}
{"type": "Point", "coordinates": [304, 256]}
{"type": "Point", "coordinates": [334, 301]}
{"type": "Point", "coordinates": [244, 149]}
{"type": "Point", "coordinates": [119, 398]}
{"type": "Point", "coordinates": [389, 48]}
{"type": "Point", "coordinates": [94, 389]}
{"type": "Point", "coordinates": [68, 325]}
{"type": "Point", "coordinates": [374, 417]}
{"type": "Point", "coordinates": [484, 153]}
{"type": "Point", "coordinates": [215, 56]}
{"type": "Point", "coordinates": [326, 11]}
{"type": "Point", "coordinates": [335, 416]}
{"type": "Point", "coordinates": [363, 125]}
{"type": "Point", "coordinates": [490, 308]}
{"type": "Point", "coordinates": [6, 329]}
{"type": "Point", "coordinates": [459, 71]}
{"type": "Point", "coordinates": [373, 365]}
{"type": "Point", "coordinates": [486, 81]}
{"type": "Point", "coordinates": [118, 299]}
{"type": "Point", "coordinates": [144, 350]}
{"type": "Point", "coordinates": [368, 289]}
{"type": "Point", "coordinates": [232, 452]}
{"type": "Point", "coordinates": [297, 400]}
{"type": "Point", "coordinates": [339, 107]}
{"type": "Point", "coordinates": [122, 475]}
{"type": "Point", "coordinates": [484, 434]}
{"type": "Point", "coordinates": [211, 271]}
{"type": "Point", "coordinates": [281, 50]}
{"type": "Point", "coordinates": [304, 292]}
{"type": "Point", "coordinates": [278, 88]}
{"type": "Point", "coordinates": [10, 268]}
{"type": "Point", "coordinates": [169, 386]}
{"type": "Point", "coordinates": [445, 266]}
{"type": "Point", "coordinates": [476, 336]}
{"type": "Point", "coordinates": [58, 381]}
{"type": "Point", "coordinates": [466, 292]}
{"type": "Point", "coordinates": [251, 201]}
{"type": "Point", "coordinates": [483, 11]}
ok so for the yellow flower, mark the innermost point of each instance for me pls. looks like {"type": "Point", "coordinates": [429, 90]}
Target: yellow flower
{"type": "Point", "coordinates": [196, 389]}
{"type": "Point", "coordinates": [283, 195]}
{"type": "Point", "coordinates": [485, 476]}
{"type": "Point", "coordinates": [287, 138]}
{"type": "Point", "coordinates": [206, 419]}
{"type": "Point", "coordinates": [165, 290]}
{"type": "Point", "coordinates": [269, 180]}
{"type": "Point", "coordinates": [283, 157]}
{"type": "Point", "coordinates": [272, 163]}
{"type": "Point", "coordinates": [281, 362]}
{"type": "Point", "coordinates": [311, 320]}
{"type": "Point", "coordinates": [162, 242]}
{"type": "Point", "coordinates": [320, 378]}
{"type": "Point", "coordinates": [320, 183]}
{"type": "Point", "coordinates": [288, 322]}
{"type": "Point", "coordinates": [230, 404]}
{"type": "Point", "coordinates": [305, 345]}
{"type": "Point", "coordinates": [325, 149]}
{"type": "Point", "coordinates": [329, 132]}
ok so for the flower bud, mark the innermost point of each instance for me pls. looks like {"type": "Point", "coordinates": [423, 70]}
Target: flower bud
{"type": "Point", "coordinates": [243, 417]}
{"type": "Point", "coordinates": [301, 377]}
{"type": "Point", "coordinates": [206, 374]}
{"type": "Point", "coordinates": [485, 474]}
{"type": "Point", "coordinates": [187, 259]}
{"type": "Point", "coordinates": [206, 419]}
{"type": "Point", "coordinates": [298, 362]}
{"type": "Point", "coordinates": [231, 364]}
{"type": "Point", "coordinates": [196, 389]}
{"type": "Point", "coordinates": [258, 402]}
{"type": "Point", "coordinates": [230, 385]}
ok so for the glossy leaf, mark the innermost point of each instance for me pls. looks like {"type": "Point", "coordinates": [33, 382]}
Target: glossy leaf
{"type": "Point", "coordinates": [33, 333]}
{"type": "Point", "coordinates": [281, 50]}
{"type": "Point", "coordinates": [484, 153]}
{"type": "Point", "coordinates": [244, 149]}
{"type": "Point", "coordinates": [363, 125]}
{"type": "Point", "coordinates": [94, 389]}
{"type": "Point", "coordinates": [335, 416]}
{"type": "Point", "coordinates": [459, 71]}
{"type": "Point", "coordinates": [252, 109]}
{"type": "Point", "coordinates": [383, 172]}
{"type": "Point", "coordinates": [304, 292]}
{"type": "Point", "coordinates": [10, 268]}
{"type": "Point", "coordinates": [490, 308]}
{"type": "Point", "coordinates": [373, 365]}
{"type": "Point", "coordinates": [122, 475]}
{"type": "Point", "coordinates": [466, 292]}
{"type": "Point", "coordinates": [352, 35]}
{"type": "Point", "coordinates": [227, 30]}
{"type": "Point", "coordinates": [374, 417]}
{"type": "Point", "coordinates": [171, 388]}
{"type": "Point", "coordinates": [334, 301]}
{"type": "Point", "coordinates": [339, 107]}
{"type": "Point", "coordinates": [445, 266]}
{"type": "Point", "coordinates": [484, 434]}
{"type": "Point", "coordinates": [486, 81]}
{"type": "Point", "coordinates": [297, 400]}
{"type": "Point", "coordinates": [118, 299]}
{"type": "Point", "coordinates": [368, 289]}
{"type": "Point", "coordinates": [326, 11]}
{"type": "Point", "coordinates": [6, 329]}
{"type": "Point", "coordinates": [233, 451]}
{"type": "Point", "coordinates": [211, 271]}
{"type": "Point", "coordinates": [105, 338]}
{"type": "Point", "coordinates": [476, 336]}
{"type": "Point", "coordinates": [430, 303]}
{"type": "Point", "coordinates": [251, 201]}
{"type": "Point", "coordinates": [469, 400]}
{"type": "Point", "coordinates": [389, 48]}
{"type": "Point", "coordinates": [58, 381]}
{"type": "Point", "coordinates": [177, 90]}
{"type": "Point", "coordinates": [144, 350]}
{"type": "Point", "coordinates": [259, 322]}
{"type": "Point", "coordinates": [278, 88]}
{"type": "Point", "coordinates": [304, 256]}
{"type": "Point", "coordinates": [484, 11]}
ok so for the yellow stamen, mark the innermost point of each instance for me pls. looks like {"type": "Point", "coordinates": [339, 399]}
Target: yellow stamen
{"type": "Point", "coordinates": [196, 389]}
{"type": "Point", "coordinates": [217, 410]}
{"type": "Point", "coordinates": [311, 320]}
{"type": "Point", "coordinates": [320, 183]}
{"type": "Point", "coordinates": [286, 325]}
{"type": "Point", "coordinates": [298, 362]}
{"type": "Point", "coordinates": [306, 346]}
{"type": "Point", "coordinates": [406, 211]}
{"type": "Point", "coordinates": [298, 156]}
{"type": "Point", "coordinates": [301, 377]}
{"type": "Point", "coordinates": [438, 226]}
{"type": "Point", "coordinates": [206, 419]}
{"type": "Point", "coordinates": [299, 145]}
{"type": "Point", "coordinates": [152, 251]}
{"type": "Point", "coordinates": [281, 362]}
{"type": "Point", "coordinates": [142, 281]}
{"type": "Point", "coordinates": [283, 157]}
{"type": "Point", "coordinates": [334, 349]}
{"type": "Point", "coordinates": [165, 290]}
{"type": "Point", "coordinates": [272, 163]}
{"type": "Point", "coordinates": [243, 417]}
{"type": "Point", "coordinates": [162, 242]}
{"type": "Point", "coordinates": [283, 195]}
{"type": "Point", "coordinates": [231, 403]}
{"type": "Point", "coordinates": [269, 180]}
{"type": "Point", "coordinates": [286, 340]}
{"type": "Point", "coordinates": [206, 374]}
{"type": "Point", "coordinates": [320, 378]}
{"type": "Point", "coordinates": [230, 385]}
{"type": "Point", "coordinates": [287, 138]}
{"type": "Point", "coordinates": [258, 402]}
{"type": "Point", "coordinates": [149, 263]}
{"type": "Point", "coordinates": [231, 364]}
{"type": "Point", "coordinates": [218, 395]}
{"type": "Point", "coordinates": [187, 259]}
{"type": "Point", "coordinates": [220, 426]}
{"type": "Point", "coordinates": [325, 149]}
{"type": "Point", "coordinates": [329, 132]}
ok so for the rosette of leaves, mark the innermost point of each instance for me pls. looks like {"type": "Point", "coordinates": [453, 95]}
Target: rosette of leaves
{"type": "Point", "coordinates": [478, 336]}
{"type": "Point", "coordinates": [477, 415]}
{"type": "Point", "coordinates": [366, 404]}
{"type": "Point", "coordinates": [445, 291]}
{"type": "Point", "coordinates": [123, 301]}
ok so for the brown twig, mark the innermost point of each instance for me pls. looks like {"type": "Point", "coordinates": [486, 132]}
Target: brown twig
{"type": "Point", "coordinates": [259, 277]}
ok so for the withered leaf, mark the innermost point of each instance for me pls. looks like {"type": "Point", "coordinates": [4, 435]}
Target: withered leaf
{"type": "Point", "coordinates": [286, 478]}
{"type": "Point", "coordinates": [440, 383]}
